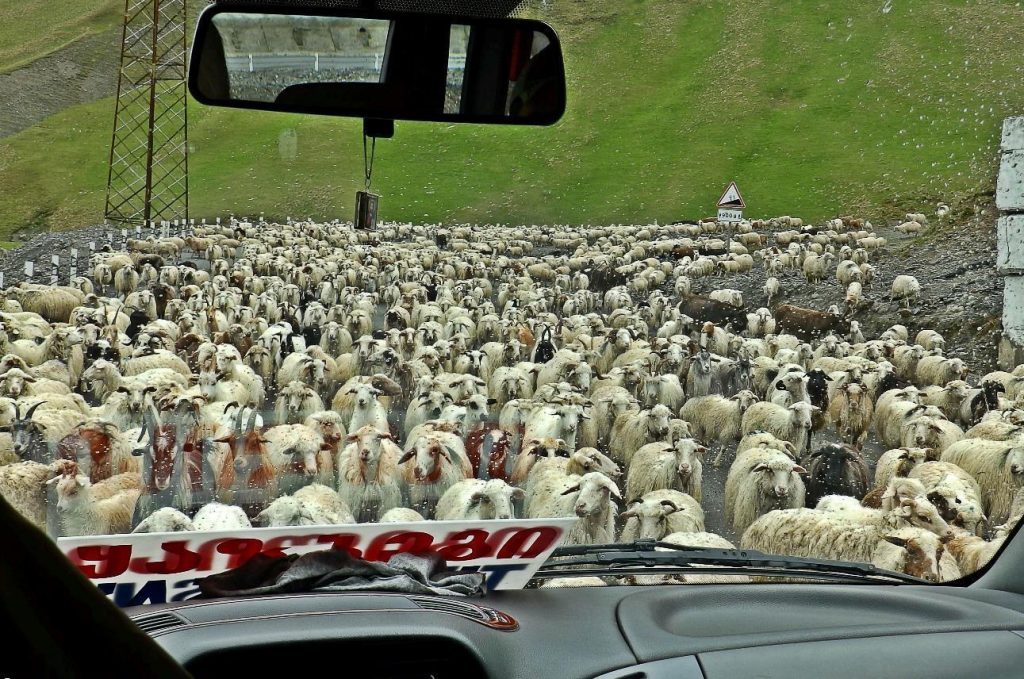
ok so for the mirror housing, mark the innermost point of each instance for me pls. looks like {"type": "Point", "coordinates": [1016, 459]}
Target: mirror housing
{"type": "Point", "coordinates": [378, 64]}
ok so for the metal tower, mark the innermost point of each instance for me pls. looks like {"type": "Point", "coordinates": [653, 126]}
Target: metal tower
{"type": "Point", "coordinates": [148, 178]}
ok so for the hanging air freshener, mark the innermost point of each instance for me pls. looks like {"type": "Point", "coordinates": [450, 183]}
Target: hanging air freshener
{"type": "Point", "coordinates": [366, 202]}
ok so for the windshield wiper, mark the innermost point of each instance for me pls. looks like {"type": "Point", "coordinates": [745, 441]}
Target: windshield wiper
{"type": "Point", "coordinates": [643, 556]}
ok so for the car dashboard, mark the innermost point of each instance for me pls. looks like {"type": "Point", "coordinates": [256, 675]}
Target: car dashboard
{"type": "Point", "coordinates": [653, 632]}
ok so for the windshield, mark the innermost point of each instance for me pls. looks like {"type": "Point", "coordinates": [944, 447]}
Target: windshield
{"type": "Point", "coordinates": [747, 293]}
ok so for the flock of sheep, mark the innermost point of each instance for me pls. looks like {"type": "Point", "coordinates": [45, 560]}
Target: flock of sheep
{"type": "Point", "coordinates": [310, 374]}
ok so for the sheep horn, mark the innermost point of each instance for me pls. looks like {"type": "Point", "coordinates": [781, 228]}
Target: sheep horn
{"type": "Point", "coordinates": [238, 419]}
{"type": "Point", "coordinates": [251, 425]}
{"type": "Point", "coordinates": [32, 409]}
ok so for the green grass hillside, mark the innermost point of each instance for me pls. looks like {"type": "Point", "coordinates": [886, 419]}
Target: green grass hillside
{"type": "Point", "coordinates": [30, 29]}
{"type": "Point", "coordinates": [815, 108]}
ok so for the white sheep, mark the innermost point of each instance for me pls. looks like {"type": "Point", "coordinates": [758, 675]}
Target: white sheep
{"type": "Point", "coordinates": [559, 421]}
{"type": "Point", "coordinates": [165, 520]}
{"type": "Point", "coordinates": [660, 513]}
{"type": "Point", "coordinates": [899, 462]}
{"type": "Point", "coordinates": [610, 402]}
{"type": "Point", "coordinates": [295, 402]}
{"type": "Point", "coordinates": [949, 398]}
{"type": "Point", "coordinates": [658, 466]}
{"type": "Point", "coordinates": [851, 411]}
{"type": "Point", "coordinates": [312, 505]}
{"type": "Point", "coordinates": [847, 272]}
{"type": "Point", "coordinates": [891, 414]}
{"type": "Point", "coordinates": [761, 323]}
{"type": "Point", "coordinates": [790, 386]}
{"type": "Point", "coordinates": [590, 498]}
{"type": "Point", "coordinates": [476, 499]}
{"type": "Point", "coordinates": [938, 370]}
{"type": "Point", "coordinates": [632, 430]}
{"type": "Point", "coordinates": [439, 461]}
{"type": "Point", "coordinates": [997, 466]}
{"type": "Point", "coordinates": [910, 228]}
{"type": "Point", "coordinates": [716, 418]}
{"type": "Point", "coordinates": [930, 431]}
{"type": "Point", "coordinates": [765, 440]}
{"type": "Point", "coordinates": [103, 508]}
{"type": "Point", "coordinates": [791, 424]}
{"type": "Point", "coordinates": [300, 455]}
{"type": "Point", "coordinates": [400, 515]}
{"type": "Point", "coordinates": [904, 508]}
{"type": "Point", "coordinates": [662, 389]}
{"type": "Point", "coordinates": [972, 552]}
{"type": "Point", "coordinates": [905, 288]}
{"type": "Point", "coordinates": [760, 480]}
{"type": "Point", "coordinates": [728, 296]}
{"type": "Point", "coordinates": [550, 471]}
{"type": "Point", "coordinates": [954, 493]}
{"type": "Point", "coordinates": [930, 340]}
{"type": "Point", "coordinates": [771, 289]}
{"type": "Point", "coordinates": [369, 481]}
{"type": "Point", "coordinates": [23, 485]}
{"type": "Point", "coordinates": [817, 534]}
{"type": "Point", "coordinates": [216, 516]}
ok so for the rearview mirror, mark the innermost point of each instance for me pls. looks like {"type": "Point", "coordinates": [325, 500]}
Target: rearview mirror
{"type": "Point", "coordinates": [384, 65]}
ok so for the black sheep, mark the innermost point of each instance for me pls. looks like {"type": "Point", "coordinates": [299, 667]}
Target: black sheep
{"type": "Point", "coordinates": [545, 349]}
{"type": "Point", "coordinates": [836, 469]}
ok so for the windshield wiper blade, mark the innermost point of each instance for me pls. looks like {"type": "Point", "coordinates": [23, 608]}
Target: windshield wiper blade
{"type": "Point", "coordinates": [645, 554]}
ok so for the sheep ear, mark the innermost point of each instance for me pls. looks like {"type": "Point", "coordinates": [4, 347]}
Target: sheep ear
{"type": "Point", "coordinates": [476, 497]}
{"type": "Point", "coordinates": [760, 468]}
{"type": "Point", "coordinates": [628, 514]}
{"type": "Point", "coordinates": [797, 469]}
{"type": "Point", "coordinates": [670, 507]}
{"type": "Point", "coordinates": [893, 540]}
{"type": "Point", "coordinates": [570, 490]}
{"type": "Point", "coordinates": [780, 386]}
{"type": "Point", "coordinates": [517, 494]}
{"type": "Point", "coordinates": [406, 457]}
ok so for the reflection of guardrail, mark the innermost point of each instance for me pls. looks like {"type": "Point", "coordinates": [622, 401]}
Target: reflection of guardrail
{"type": "Point", "coordinates": [316, 62]}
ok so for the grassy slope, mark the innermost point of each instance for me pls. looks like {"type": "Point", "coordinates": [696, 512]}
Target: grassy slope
{"type": "Point", "coordinates": [815, 108]}
{"type": "Point", "coordinates": [30, 29]}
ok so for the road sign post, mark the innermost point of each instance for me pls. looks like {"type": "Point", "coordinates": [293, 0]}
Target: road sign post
{"type": "Point", "coordinates": [730, 210]}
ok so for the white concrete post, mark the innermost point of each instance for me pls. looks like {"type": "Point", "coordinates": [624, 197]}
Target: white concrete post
{"type": "Point", "coordinates": [1010, 240]}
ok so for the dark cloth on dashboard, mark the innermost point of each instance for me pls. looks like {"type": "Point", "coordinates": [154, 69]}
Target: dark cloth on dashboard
{"type": "Point", "coordinates": [339, 571]}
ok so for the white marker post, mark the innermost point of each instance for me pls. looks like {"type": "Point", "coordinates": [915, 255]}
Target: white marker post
{"type": "Point", "coordinates": [74, 263]}
{"type": "Point", "coordinates": [30, 268]}
{"type": "Point", "coordinates": [54, 266]}
{"type": "Point", "coordinates": [730, 209]}
{"type": "Point", "coordinates": [1, 279]}
{"type": "Point", "coordinates": [124, 239]}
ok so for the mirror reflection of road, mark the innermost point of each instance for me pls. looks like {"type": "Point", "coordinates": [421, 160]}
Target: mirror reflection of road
{"type": "Point", "coordinates": [326, 61]}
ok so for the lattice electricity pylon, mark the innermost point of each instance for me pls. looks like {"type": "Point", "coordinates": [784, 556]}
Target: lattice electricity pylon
{"type": "Point", "coordinates": [148, 178]}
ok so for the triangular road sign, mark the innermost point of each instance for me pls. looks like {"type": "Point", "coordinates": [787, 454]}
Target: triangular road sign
{"type": "Point", "coordinates": [732, 197]}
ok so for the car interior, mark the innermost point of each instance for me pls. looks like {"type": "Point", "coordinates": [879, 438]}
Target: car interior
{"type": "Point", "coordinates": [788, 619]}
